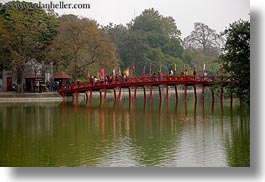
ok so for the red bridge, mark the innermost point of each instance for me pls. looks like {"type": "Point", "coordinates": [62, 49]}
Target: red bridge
{"type": "Point", "coordinates": [142, 82]}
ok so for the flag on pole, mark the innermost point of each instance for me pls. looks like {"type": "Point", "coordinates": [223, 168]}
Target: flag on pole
{"type": "Point", "coordinates": [204, 67]}
{"type": "Point", "coordinates": [213, 67]}
{"type": "Point", "coordinates": [175, 67]}
{"type": "Point", "coordinates": [143, 72]}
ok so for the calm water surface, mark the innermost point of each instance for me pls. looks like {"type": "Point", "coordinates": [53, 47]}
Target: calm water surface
{"type": "Point", "coordinates": [126, 134]}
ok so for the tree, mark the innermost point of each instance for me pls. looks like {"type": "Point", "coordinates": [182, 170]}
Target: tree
{"type": "Point", "coordinates": [149, 40]}
{"type": "Point", "coordinates": [236, 59]}
{"type": "Point", "coordinates": [80, 44]}
{"type": "Point", "coordinates": [204, 38]}
{"type": "Point", "coordinates": [24, 35]}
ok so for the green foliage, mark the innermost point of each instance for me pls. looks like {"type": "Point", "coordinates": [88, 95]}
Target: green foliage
{"type": "Point", "coordinates": [150, 40]}
{"type": "Point", "coordinates": [236, 58]}
{"type": "Point", "coordinates": [24, 35]}
{"type": "Point", "coordinates": [81, 48]}
{"type": "Point", "coordinates": [196, 57]}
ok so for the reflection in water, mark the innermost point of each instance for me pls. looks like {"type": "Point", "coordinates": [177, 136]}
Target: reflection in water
{"type": "Point", "coordinates": [129, 133]}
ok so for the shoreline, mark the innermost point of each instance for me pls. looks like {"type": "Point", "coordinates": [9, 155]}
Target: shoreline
{"type": "Point", "coordinates": [7, 97]}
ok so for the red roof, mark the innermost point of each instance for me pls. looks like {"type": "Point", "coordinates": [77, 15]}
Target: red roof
{"type": "Point", "coordinates": [34, 76]}
{"type": "Point", "coordinates": [62, 75]}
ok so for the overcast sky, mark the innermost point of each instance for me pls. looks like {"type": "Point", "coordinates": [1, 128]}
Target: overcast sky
{"type": "Point", "coordinates": [217, 14]}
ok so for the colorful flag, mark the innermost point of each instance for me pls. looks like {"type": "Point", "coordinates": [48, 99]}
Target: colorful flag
{"type": "Point", "coordinates": [127, 72]}
{"type": "Point", "coordinates": [175, 67]}
{"type": "Point", "coordinates": [102, 73]}
{"type": "Point", "coordinates": [143, 72]}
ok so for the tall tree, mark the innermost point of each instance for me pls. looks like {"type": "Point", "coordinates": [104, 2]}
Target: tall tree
{"type": "Point", "coordinates": [150, 39]}
{"type": "Point", "coordinates": [236, 58]}
{"type": "Point", "coordinates": [80, 44]}
{"type": "Point", "coordinates": [204, 38]}
{"type": "Point", "coordinates": [24, 35]}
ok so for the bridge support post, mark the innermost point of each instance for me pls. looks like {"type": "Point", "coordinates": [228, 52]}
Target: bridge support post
{"type": "Point", "coordinates": [90, 95]}
{"type": "Point", "coordinates": [76, 97]}
{"type": "Point", "coordinates": [86, 97]}
{"type": "Point", "coordinates": [195, 93]}
{"type": "Point", "coordinates": [203, 87]}
{"type": "Point", "coordinates": [105, 94]}
{"type": "Point", "coordinates": [100, 95]}
{"type": "Point", "coordinates": [212, 96]}
{"type": "Point", "coordinates": [135, 90]}
{"type": "Point", "coordinates": [114, 91]}
{"type": "Point", "coordinates": [160, 94]}
{"type": "Point", "coordinates": [144, 93]}
{"type": "Point", "coordinates": [185, 93]}
{"type": "Point", "coordinates": [151, 92]}
{"type": "Point", "coordinates": [166, 92]}
{"type": "Point", "coordinates": [221, 94]}
{"type": "Point", "coordinates": [129, 93]}
{"type": "Point", "coordinates": [176, 93]}
{"type": "Point", "coordinates": [119, 98]}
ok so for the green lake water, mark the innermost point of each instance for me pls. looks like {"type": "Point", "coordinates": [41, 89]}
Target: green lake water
{"type": "Point", "coordinates": [128, 134]}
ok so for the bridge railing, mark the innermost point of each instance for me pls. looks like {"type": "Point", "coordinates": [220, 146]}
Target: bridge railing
{"type": "Point", "coordinates": [159, 79]}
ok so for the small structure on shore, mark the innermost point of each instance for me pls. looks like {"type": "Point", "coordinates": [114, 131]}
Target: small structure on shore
{"type": "Point", "coordinates": [60, 79]}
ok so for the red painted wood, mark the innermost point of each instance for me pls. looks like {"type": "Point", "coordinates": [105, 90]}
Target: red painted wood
{"type": "Point", "coordinates": [143, 81]}
{"type": "Point", "coordinates": [160, 94]}
{"type": "Point", "coordinates": [166, 93]}
{"type": "Point", "coordinates": [176, 92]}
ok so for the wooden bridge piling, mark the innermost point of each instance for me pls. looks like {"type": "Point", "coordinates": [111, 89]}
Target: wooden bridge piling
{"type": "Point", "coordinates": [86, 98]}
{"type": "Point", "coordinates": [144, 93]}
{"type": "Point", "coordinates": [151, 92]}
{"type": "Point", "coordinates": [114, 92]}
{"type": "Point", "coordinates": [195, 93]}
{"type": "Point", "coordinates": [76, 97]}
{"type": "Point", "coordinates": [119, 98]}
{"type": "Point", "coordinates": [221, 94]}
{"type": "Point", "coordinates": [212, 95]}
{"type": "Point", "coordinates": [203, 87]}
{"type": "Point", "coordinates": [166, 92]}
{"type": "Point", "coordinates": [100, 95]}
{"type": "Point", "coordinates": [176, 92]}
{"type": "Point", "coordinates": [135, 92]}
{"type": "Point", "coordinates": [105, 94]}
{"type": "Point", "coordinates": [185, 93]}
{"type": "Point", "coordinates": [160, 94]}
{"type": "Point", "coordinates": [129, 89]}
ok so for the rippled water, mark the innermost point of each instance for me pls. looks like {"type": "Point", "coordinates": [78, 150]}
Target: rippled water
{"type": "Point", "coordinates": [126, 134]}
